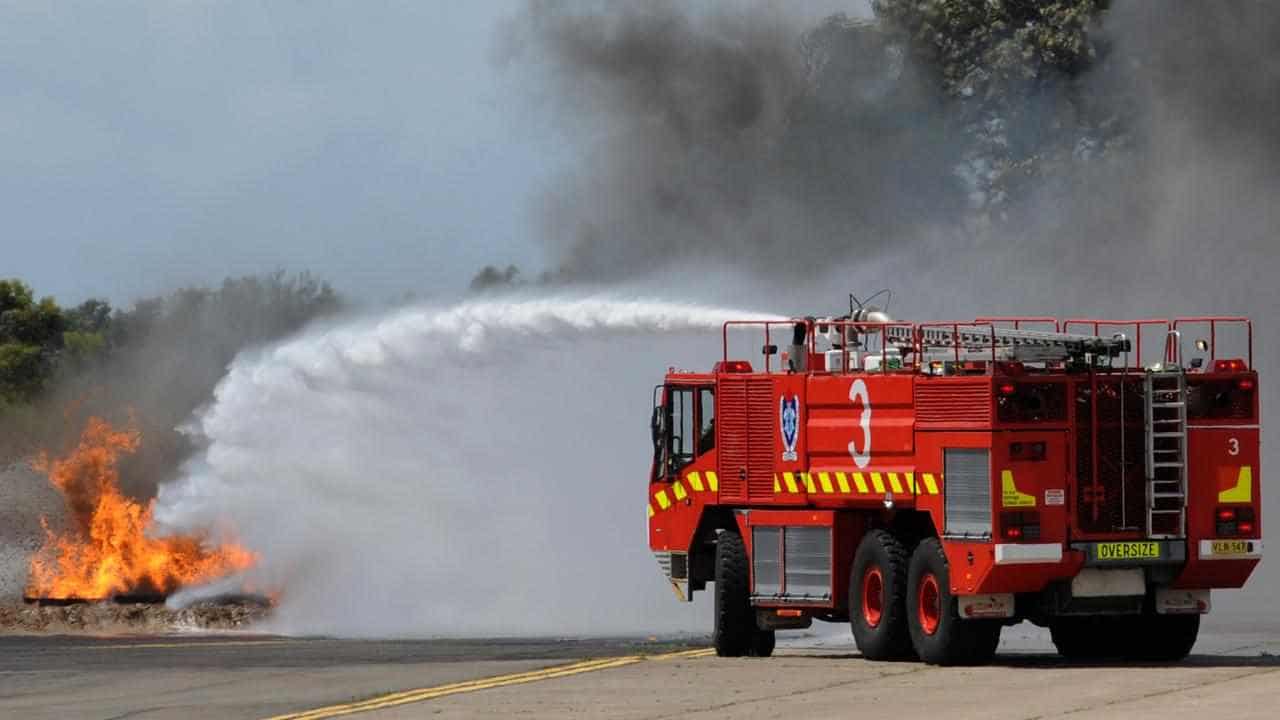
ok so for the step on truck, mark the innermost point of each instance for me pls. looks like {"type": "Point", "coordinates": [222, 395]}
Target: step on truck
{"type": "Point", "coordinates": [932, 483]}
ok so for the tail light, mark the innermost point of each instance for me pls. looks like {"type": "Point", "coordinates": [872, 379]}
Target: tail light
{"type": "Point", "coordinates": [1234, 521]}
{"type": "Point", "coordinates": [1021, 525]}
{"type": "Point", "coordinates": [1027, 451]}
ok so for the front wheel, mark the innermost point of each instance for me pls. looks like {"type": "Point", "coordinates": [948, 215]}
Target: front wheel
{"type": "Point", "coordinates": [736, 633]}
{"type": "Point", "coordinates": [939, 635]}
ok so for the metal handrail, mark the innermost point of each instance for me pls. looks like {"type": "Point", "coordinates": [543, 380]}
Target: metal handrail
{"type": "Point", "coordinates": [1212, 321]}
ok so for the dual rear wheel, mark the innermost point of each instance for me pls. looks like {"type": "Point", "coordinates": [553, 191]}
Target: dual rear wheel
{"type": "Point", "coordinates": [901, 606]}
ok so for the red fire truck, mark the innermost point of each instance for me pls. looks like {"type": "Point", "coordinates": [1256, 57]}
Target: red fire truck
{"type": "Point", "coordinates": [931, 483]}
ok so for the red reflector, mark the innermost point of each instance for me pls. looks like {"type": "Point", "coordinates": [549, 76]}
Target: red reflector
{"type": "Point", "coordinates": [1244, 527]}
{"type": "Point", "coordinates": [790, 613]}
{"type": "Point", "coordinates": [1007, 389]}
{"type": "Point", "coordinates": [1226, 514]}
{"type": "Point", "coordinates": [1245, 384]}
{"type": "Point", "coordinates": [1233, 365]}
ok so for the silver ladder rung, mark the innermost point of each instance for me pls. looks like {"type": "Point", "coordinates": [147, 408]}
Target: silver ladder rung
{"type": "Point", "coordinates": [1177, 404]}
{"type": "Point", "coordinates": [1168, 434]}
{"type": "Point", "coordinates": [1166, 495]}
{"type": "Point", "coordinates": [1166, 512]}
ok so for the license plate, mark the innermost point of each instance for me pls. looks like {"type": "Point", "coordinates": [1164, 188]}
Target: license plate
{"type": "Point", "coordinates": [1229, 547]}
{"type": "Point", "coordinates": [1128, 550]}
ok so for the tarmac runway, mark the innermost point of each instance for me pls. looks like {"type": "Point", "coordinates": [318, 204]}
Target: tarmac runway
{"type": "Point", "coordinates": [1234, 672]}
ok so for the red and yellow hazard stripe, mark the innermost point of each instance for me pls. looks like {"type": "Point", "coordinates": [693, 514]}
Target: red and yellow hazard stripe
{"type": "Point", "coordinates": [857, 484]}
{"type": "Point", "coordinates": [682, 489]}
{"type": "Point", "coordinates": [821, 484]}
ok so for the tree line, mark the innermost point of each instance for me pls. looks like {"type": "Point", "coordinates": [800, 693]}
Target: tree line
{"type": "Point", "coordinates": [151, 364]}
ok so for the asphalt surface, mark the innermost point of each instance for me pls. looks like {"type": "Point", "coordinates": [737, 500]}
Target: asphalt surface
{"type": "Point", "coordinates": [1234, 672]}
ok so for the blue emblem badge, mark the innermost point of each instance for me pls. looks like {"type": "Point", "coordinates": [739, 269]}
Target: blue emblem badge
{"type": "Point", "coordinates": [789, 414]}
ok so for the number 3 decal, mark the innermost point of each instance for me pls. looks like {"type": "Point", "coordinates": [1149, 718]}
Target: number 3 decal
{"type": "Point", "coordinates": [858, 391]}
{"type": "Point", "coordinates": [1233, 446]}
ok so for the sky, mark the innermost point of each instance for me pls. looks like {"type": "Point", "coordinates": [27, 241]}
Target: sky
{"type": "Point", "coordinates": [151, 145]}
{"type": "Point", "coordinates": [384, 146]}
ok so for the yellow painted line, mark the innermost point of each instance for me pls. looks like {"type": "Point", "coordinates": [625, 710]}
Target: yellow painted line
{"type": "Point", "coordinates": [843, 481]}
{"type": "Point", "coordinates": [790, 480]}
{"type": "Point", "coordinates": [777, 488]}
{"type": "Point", "coordinates": [651, 513]}
{"type": "Point", "coordinates": [930, 484]}
{"type": "Point", "coordinates": [825, 479]}
{"type": "Point", "coordinates": [808, 483]}
{"type": "Point", "coordinates": [877, 483]}
{"type": "Point", "coordinates": [911, 483]}
{"type": "Point", "coordinates": [893, 482]}
{"type": "Point", "coordinates": [664, 502]}
{"type": "Point", "coordinates": [860, 482]}
{"type": "Point", "coordinates": [695, 481]}
{"type": "Point", "coordinates": [678, 489]}
{"type": "Point", "coordinates": [430, 693]}
{"type": "Point", "coordinates": [713, 483]}
{"type": "Point", "coordinates": [695, 653]}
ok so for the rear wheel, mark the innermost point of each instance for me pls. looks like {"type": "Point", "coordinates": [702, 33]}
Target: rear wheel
{"type": "Point", "coordinates": [938, 634]}
{"type": "Point", "coordinates": [736, 633]}
{"type": "Point", "coordinates": [1164, 638]}
{"type": "Point", "coordinates": [877, 597]}
{"type": "Point", "coordinates": [1094, 637]}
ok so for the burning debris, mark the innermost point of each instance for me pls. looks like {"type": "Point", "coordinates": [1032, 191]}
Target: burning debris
{"type": "Point", "coordinates": [107, 552]}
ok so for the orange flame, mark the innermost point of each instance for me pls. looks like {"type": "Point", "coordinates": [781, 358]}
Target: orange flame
{"type": "Point", "coordinates": [107, 551]}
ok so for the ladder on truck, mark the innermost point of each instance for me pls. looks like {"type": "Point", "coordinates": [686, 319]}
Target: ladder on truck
{"type": "Point", "coordinates": [1166, 430]}
{"type": "Point", "coordinates": [1007, 344]}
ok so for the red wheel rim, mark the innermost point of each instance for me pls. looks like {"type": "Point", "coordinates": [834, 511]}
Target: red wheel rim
{"type": "Point", "coordinates": [929, 604]}
{"type": "Point", "coordinates": [872, 596]}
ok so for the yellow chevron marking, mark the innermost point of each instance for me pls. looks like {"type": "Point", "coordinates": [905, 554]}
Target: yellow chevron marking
{"type": "Point", "coordinates": [678, 489]}
{"type": "Point", "coordinates": [790, 480]}
{"type": "Point", "coordinates": [825, 479]}
{"type": "Point", "coordinates": [911, 483]}
{"type": "Point", "coordinates": [893, 483]}
{"type": "Point", "coordinates": [843, 481]}
{"type": "Point", "coordinates": [877, 483]}
{"type": "Point", "coordinates": [713, 483]}
{"type": "Point", "coordinates": [777, 488]}
{"type": "Point", "coordinates": [930, 484]}
{"type": "Point", "coordinates": [1011, 496]}
{"type": "Point", "coordinates": [664, 502]}
{"type": "Point", "coordinates": [1243, 491]}
{"type": "Point", "coordinates": [808, 483]}
{"type": "Point", "coordinates": [695, 481]}
{"type": "Point", "coordinates": [651, 513]}
{"type": "Point", "coordinates": [862, 484]}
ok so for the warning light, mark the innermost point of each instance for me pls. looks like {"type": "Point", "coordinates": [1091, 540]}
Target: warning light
{"type": "Point", "coordinates": [1233, 365]}
{"type": "Point", "coordinates": [732, 366]}
{"type": "Point", "coordinates": [1007, 389]}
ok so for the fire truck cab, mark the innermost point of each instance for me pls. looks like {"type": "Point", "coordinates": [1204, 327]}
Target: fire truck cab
{"type": "Point", "coordinates": [931, 483]}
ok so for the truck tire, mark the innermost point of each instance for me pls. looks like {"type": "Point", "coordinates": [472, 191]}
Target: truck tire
{"type": "Point", "coordinates": [877, 597]}
{"type": "Point", "coordinates": [1163, 638]}
{"type": "Point", "coordinates": [939, 635]}
{"type": "Point", "coordinates": [1093, 637]}
{"type": "Point", "coordinates": [736, 633]}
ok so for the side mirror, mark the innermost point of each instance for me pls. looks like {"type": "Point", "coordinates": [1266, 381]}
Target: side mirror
{"type": "Point", "coordinates": [1202, 345]}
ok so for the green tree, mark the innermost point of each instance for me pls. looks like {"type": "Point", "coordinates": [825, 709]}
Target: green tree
{"type": "Point", "coordinates": [30, 338]}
